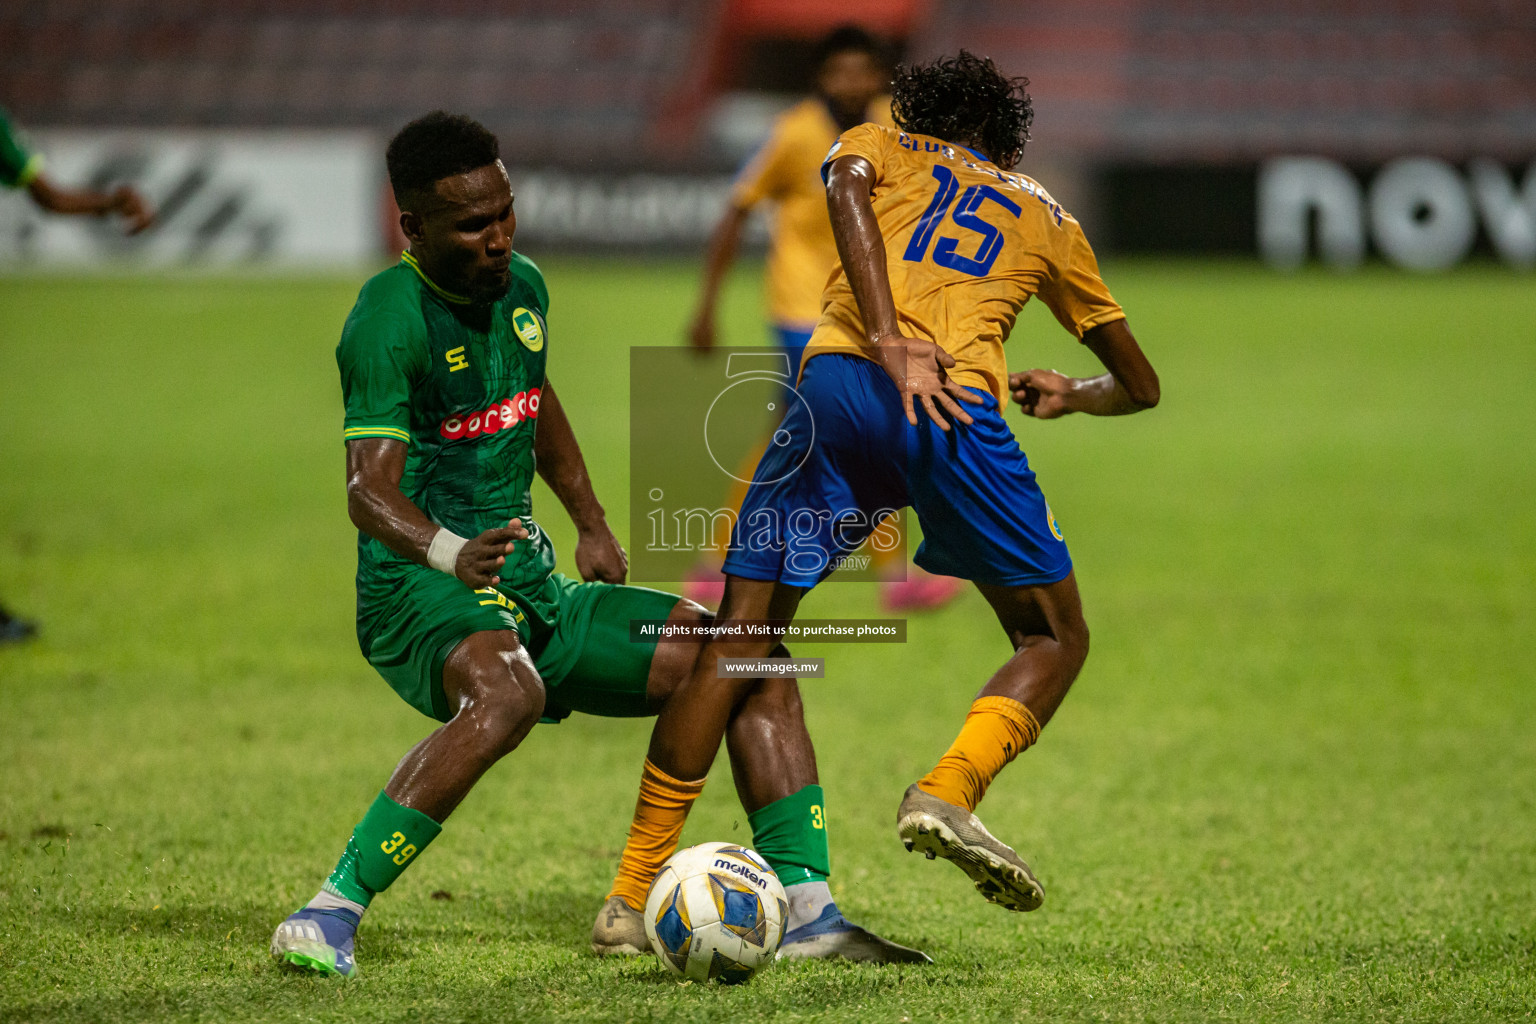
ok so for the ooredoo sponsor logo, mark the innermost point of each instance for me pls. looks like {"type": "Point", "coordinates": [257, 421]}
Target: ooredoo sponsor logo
{"type": "Point", "coordinates": [506, 413]}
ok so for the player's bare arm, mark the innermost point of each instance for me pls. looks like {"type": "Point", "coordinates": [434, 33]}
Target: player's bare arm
{"type": "Point", "coordinates": [558, 457]}
{"type": "Point", "coordinates": [717, 261]}
{"type": "Point", "coordinates": [375, 466]}
{"type": "Point", "coordinates": [1131, 384]}
{"type": "Point", "coordinates": [917, 366]}
{"type": "Point", "coordinates": [124, 201]}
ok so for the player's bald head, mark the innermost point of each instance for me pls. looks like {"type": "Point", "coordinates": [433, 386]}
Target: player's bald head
{"type": "Point", "coordinates": [437, 146]}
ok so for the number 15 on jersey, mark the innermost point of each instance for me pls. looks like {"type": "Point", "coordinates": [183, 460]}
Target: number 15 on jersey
{"type": "Point", "coordinates": [966, 214]}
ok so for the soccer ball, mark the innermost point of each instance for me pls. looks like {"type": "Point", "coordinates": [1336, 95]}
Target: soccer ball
{"type": "Point", "coordinates": [715, 910]}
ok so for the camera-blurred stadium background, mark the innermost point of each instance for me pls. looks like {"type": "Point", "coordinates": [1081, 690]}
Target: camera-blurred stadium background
{"type": "Point", "coordinates": [257, 124]}
{"type": "Point", "coordinates": [1294, 781]}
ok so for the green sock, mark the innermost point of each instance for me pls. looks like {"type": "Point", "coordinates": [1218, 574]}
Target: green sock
{"type": "Point", "coordinates": [791, 835]}
{"type": "Point", "coordinates": [387, 840]}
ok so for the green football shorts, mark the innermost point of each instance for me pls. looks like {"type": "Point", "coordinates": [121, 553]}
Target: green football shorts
{"type": "Point", "coordinates": [577, 634]}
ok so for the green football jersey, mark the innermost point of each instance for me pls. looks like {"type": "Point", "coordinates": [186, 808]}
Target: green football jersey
{"type": "Point", "coordinates": [17, 166]}
{"type": "Point", "coordinates": [459, 383]}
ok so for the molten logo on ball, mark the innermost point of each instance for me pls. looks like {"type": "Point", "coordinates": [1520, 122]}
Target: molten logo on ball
{"type": "Point", "coordinates": [715, 911]}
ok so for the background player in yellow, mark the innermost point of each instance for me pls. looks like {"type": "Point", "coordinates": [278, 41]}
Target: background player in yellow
{"type": "Point", "coordinates": [905, 380]}
{"type": "Point", "coordinates": [22, 168]}
{"type": "Point", "coordinates": [852, 76]}
{"type": "Point", "coordinates": [851, 80]}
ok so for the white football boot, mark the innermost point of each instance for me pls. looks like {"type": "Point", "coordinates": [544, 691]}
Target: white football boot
{"type": "Point", "coordinates": [619, 930]}
{"type": "Point", "coordinates": [938, 828]}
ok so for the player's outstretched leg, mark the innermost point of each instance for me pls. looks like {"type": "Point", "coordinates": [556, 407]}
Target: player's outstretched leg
{"type": "Point", "coordinates": [774, 766]}
{"type": "Point", "coordinates": [936, 817]}
{"type": "Point", "coordinates": [771, 753]}
{"type": "Point", "coordinates": [499, 696]}
{"type": "Point", "coordinates": [660, 811]}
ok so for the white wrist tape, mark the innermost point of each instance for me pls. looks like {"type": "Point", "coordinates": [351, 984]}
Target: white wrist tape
{"type": "Point", "coordinates": [443, 552]}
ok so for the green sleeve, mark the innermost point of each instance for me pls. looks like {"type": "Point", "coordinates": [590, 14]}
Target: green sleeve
{"type": "Point", "coordinates": [380, 361]}
{"type": "Point", "coordinates": [529, 272]}
{"type": "Point", "coordinates": [18, 168]}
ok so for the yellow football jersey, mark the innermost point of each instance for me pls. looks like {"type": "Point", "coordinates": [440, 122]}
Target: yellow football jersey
{"type": "Point", "coordinates": [966, 245]}
{"type": "Point", "coordinates": [787, 171]}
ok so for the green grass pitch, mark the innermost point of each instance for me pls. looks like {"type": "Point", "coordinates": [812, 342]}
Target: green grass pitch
{"type": "Point", "coordinates": [1296, 781]}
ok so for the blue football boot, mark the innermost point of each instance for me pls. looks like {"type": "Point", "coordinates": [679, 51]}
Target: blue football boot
{"type": "Point", "coordinates": [318, 940]}
{"type": "Point", "coordinates": [832, 935]}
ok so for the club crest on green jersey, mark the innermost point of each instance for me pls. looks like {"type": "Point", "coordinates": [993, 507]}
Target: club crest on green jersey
{"type": "Point", "coordinates": [528, 328]}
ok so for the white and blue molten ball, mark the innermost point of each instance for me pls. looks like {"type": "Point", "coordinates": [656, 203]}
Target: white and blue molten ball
{"type": "Point", "coordinates": [715, 910]}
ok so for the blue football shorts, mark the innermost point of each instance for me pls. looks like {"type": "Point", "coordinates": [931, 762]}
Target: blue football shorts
{"type": "Point", "coordinates": [845, 458]}
{"type": "Point", "coordinates": [793, 338]}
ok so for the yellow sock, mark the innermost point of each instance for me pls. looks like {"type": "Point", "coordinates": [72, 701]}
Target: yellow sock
{"type": "Point", "coordinates": [997, 730]}
{"type": "Point", "coordinates": [659, 815]}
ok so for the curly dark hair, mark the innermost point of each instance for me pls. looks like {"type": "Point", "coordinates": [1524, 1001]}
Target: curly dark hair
{"type": "Point", "coordinates": [436, 146]}
{"type": "Point", "coordinates": [965, 100]}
